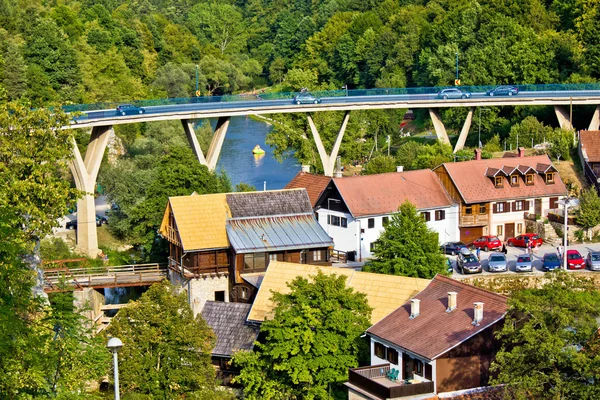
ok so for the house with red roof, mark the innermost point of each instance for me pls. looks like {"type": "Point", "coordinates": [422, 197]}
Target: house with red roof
{"type": "Point", "coordinates": [314, 184]}
{"type": "Point", "coordinates": [589, 154]}
{"type": "Point", "coordinates": [354, 210]}
{"type": "Point", "coordinates": [442, 340]}
{"type": "Point", "coordinates": [495, 194]}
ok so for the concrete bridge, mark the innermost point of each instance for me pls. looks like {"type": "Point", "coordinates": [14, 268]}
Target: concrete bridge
{"type": "Point", "coordinates": [101, 119]}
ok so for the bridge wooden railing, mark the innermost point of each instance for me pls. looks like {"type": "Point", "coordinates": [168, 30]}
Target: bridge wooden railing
{"type": "Point", "coordinates": [63, 278]}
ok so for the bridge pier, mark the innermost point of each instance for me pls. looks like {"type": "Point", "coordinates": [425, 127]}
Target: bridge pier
{"type": "Point", "coordinates": [438, 125]}
{"type": "Point", "coordinates": [214, 150]}
{"type": "Point", "coordinates": [563, 115]}
{"type": "Point", "coordinates": [464, 131]}
{"type": "Point", "coordinates": [328, 161]}
{"type": "Point", "coordinates": [595, 123]}
{"type": "Point", "coordinates": [85, 171]}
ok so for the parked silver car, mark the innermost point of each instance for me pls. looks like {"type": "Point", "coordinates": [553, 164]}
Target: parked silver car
{"type": "Point", "coordinates": [453, 93]}
{"type": "Point", "coordinates": [524, 263]}
{"type": "Point", "coordinates": [497, 262]}
{"type": "Point", "coordinates": [593, 260]}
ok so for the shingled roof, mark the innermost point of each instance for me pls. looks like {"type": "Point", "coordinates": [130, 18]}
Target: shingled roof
{"type": "Point", "coordinates": [314, 184]}
{"type": "Point", "coordinates": [590, 143]}
{"type": "Point", "coordinates": [474, 183]}
{"type": "Point", "coordinates": [435, 331]}
{"type": "Point", "coordinates": [384, 193]}
{"type": "Point", "coordinates": [228, 321]}
{"type": "Point", "coordinates": [267, 203]}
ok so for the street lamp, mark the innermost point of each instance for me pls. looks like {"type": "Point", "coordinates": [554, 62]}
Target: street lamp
{"type": "Point", "coordinates": [456, 82]}
{"type": "Point", "coordinates": [345, 87]}
{"type": "Point", "coordinates": [566, 204]}
{"type": "Point", "coordinates": [114, 345]}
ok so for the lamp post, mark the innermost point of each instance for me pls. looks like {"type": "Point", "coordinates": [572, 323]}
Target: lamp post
{"type": "Point", "coordinates": [345, 87]}
{"type": "Point", "coordinates": [456, 82]}
{"type": "Point", "coordinates": [564, 253]}
{"type": "Point", "coordinates": [114, 345]}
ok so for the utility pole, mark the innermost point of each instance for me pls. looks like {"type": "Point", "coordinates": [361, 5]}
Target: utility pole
{"type": "Point", "coordinates": [197, 92]}
{"type": "Point", "coordinates": [456, 82]}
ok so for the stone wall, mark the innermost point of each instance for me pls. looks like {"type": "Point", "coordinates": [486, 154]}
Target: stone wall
{"type": "Point", "coordinates": [200, 290]}
{"type": "Point", "coordinates": [88, 301]}
{"type": "Point", "coordinates": [505, 284]}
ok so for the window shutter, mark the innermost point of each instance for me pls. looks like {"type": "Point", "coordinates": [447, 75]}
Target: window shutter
{"type": "Point", "coordinates": [507, 207]}
{"type": "Point", "coordinates": [514, 206]}
{"type": "Point", "coordinates": [495, 208]}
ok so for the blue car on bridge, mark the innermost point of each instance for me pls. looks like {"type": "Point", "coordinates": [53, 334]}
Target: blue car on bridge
{"type": "Point", "coordinates": [127, 109]}
{"type": "Point", "coordinates": [505, 90]}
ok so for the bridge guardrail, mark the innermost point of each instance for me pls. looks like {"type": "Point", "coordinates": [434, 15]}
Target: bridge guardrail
{"type": "Point", "coordinates": [108, 107]}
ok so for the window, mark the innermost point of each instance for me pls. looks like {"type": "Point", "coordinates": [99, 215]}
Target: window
{"type": "Point", "coordinates": [498, 181]}
{"type": "Point", "coordinates": [372, 246]}
{"type": "Point", "coordinates": [220, 295]}
{"type": "Point", "coordinates": [337, 221]}
{"type": "Point", "coordinates": [518, 206]}
{"type": "Point", "coordinates": [519, 228]}
{"type": "Point", "coordinates": [482, 209]}
{"type": "Point", "coordinates": [417, 367]}
{"type": "Point", "coordinates": [514, 180]}
{"type": "Point", "coordinates": [392, 356]}
{"type": "Point", "coordinates": [371, 223]}
{"type": "Point", "coordinates": [440, 215]}
{"type": "Point", "coordinates": [550, 177]}
{"type": "Point", "coordinates": [317, 255]}
{"type": "Point", "coordinates": [255, 261]}
{"type": "Point", "coordinates": [499, 230]}
{"type": "Point", "coordinates": [468, 210]}
{"type": "Point", "coordinates": [243, 293]}
{"type": "Point", "coordinates": [426, 216]}
{"type": "Point", "coordinates": [529, 179]}
{"type": "Point", "coordinates": [343, 222]}
{"type": "Point", "coordinates": [379, 350]}
{"type": "Point", "coordinates": [553, 202]}
{"type": "Point", "coordinates": [385, 221]}
{"type": "Point", "coordinates": [499, 207]}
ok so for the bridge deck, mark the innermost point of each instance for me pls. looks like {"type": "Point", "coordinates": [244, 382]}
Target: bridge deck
{"type": "Point", "coordinates": [65, 279]}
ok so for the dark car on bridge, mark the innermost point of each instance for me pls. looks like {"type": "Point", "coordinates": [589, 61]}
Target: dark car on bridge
{"type": "Point", "coordinates": [128, 109]}
{"type": "Point", "coordinates": [453, 93]}
{"type": "Point", "coordinates": [306, 98]}
{"type": "Point", "coordinates": [505, 90]}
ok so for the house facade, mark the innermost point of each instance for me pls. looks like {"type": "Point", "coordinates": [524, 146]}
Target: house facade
{"type": "Point", "coordinates": [355, 210]}
{"type": "Point", "coordinates": [495, 194]}
{"type": "Point", "coordinates": [220, 244]}
{"type": "Point", "coordinates": [589, 154]}
{"type": "Point", "coordinates": [440, 341]}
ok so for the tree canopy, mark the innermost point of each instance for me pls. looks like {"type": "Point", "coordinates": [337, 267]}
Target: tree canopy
{"type": "Point", "coordinates": [312, 340]}
{"type": "Point", "coordinates": [551, 342]}
{"type": "Point", "coordinates": [407, 247]}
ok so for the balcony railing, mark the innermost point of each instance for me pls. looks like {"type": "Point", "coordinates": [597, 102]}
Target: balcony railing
{"type": "Point", "coordinates": [473, 220]}
{"type": "Point", "coordinates": [374, 380]}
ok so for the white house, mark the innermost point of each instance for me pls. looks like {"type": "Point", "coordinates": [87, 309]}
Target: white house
{"type": "Point", "coordinates": [354, 210]}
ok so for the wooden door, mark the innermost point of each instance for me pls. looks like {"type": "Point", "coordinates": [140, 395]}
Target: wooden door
{"type": "Point", "coordinates": [469, 234]}
{"type": "Point", "coordinates": [509, 230]}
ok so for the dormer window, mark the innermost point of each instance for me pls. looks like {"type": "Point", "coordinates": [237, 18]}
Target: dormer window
{"type": "Point", "coordinates": [549, 177]}
{"type": "Point", "coordinates": [514, 180]}
{"type": "Point", "coordinates": [529, 179]}
{"type": "Point", "coordinates": [498, 181]}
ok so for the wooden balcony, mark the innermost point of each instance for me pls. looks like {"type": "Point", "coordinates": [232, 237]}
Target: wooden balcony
{"type": "Point", "coordinates": [374, 380]}
{"type": "Point", "coordinates": [473, 220]}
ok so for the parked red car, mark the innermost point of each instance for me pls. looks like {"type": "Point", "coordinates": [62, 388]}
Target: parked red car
{"type": "Point", "coordinates": [487, 243]}
{"type": "Point", "coordinates": [575, 260]}
{"type": "Point", "coordinates": [521, 240]}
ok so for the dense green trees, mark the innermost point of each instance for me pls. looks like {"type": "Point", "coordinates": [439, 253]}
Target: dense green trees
{"type": "Point", "coordinates": [551, 344]}
{"type": "Point", "coordinates": [407, 247]}
{"type": "Point", "coordinates": [312, 340]}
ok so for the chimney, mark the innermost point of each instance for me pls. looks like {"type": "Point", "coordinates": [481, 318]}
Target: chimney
{"type": "Point", "coordinates": [400, 168]}
{"type": "Point", "coordinates": [414, 308]}
{"type": "Point", "coordinates": [478, 313]}
{"type": "Point", "coordinates": [478, 154]}
{"type": "Point", "coordinates": [521, 152]}
{"type": "Point", "coordinates": [305, 168]}
{"type": "Point", "coordinates": [451, 301]}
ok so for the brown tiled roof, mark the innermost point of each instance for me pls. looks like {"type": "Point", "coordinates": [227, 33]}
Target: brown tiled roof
{"type": "Point", "coordinates": [590, 142]}
{"type": "Point", "coordinates": [384, 193]}
{"type": "Point", "coordinates": [436, 331]}
{"type": "Point", "coordinates": [475, 187]}
{"type": "Point", "coordinates": [314, 184]}
{"type": "Point", "coordinates": [228, 321]}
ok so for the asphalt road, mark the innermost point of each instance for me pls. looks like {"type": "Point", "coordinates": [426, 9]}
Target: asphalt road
{"type": "Point", "coordinates": [514, 252]}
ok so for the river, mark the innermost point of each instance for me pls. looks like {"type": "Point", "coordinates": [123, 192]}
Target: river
{"type": "Point", "coordinates": [241, 165]}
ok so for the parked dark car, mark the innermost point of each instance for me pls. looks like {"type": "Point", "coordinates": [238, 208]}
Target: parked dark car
{"type": "Point", "coordinates": [551, 261]}
{"type": "Point", "coordinates": [453, 248]}
{"type": "Point", "coordinates": [128, 109]}
{"type": "Point", "coordinates": [468, 263]}
{"type": "Point", "coordinates": [505, 90]}
{"type": "Point", "coordinates": [593, 260]}
{"type": "Point", "coordinates": [487, 243]}
{"type": "Point", "coordinates": [100, 220]}
{"type": "Point", "coordinates": [306, 98]}
{"type": "Point", "coordinates": [521, 240]}
{"type": "Point", "coordinates": [453, 93]}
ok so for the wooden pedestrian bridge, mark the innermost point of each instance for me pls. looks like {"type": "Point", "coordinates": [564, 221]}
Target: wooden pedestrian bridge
{"type": "Point", "coordinates": [63, 278]}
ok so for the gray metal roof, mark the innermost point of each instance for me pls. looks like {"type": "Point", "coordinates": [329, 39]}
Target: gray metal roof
{"type": "Point", "coordinates": [278, 233]}
{"type": "Point", "coordinates": [272, 202]}
{"type": "Point", "coordinates": [254, 278]}
{"type": "Point", "coordinates": [228, 321]}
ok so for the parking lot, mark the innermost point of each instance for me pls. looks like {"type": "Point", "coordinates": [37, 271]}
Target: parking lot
{"type": "Point", "coordinates": [514, 252]}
